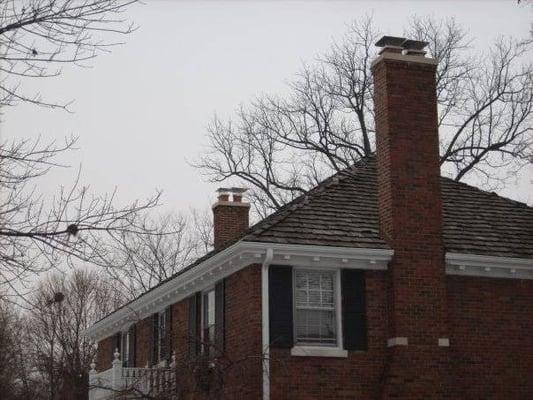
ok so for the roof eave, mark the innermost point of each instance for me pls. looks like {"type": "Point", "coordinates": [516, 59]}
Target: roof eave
{"type": "Point", "coordinates": [229, 261]}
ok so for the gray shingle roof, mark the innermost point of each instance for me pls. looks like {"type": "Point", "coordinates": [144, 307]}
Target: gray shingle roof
{"type": "Point", "coordinates": [342, 211]}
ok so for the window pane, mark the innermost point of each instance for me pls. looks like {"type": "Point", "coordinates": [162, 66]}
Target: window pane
{"type": "Point", "coordinates": [211, 308]}
{"type": "Point", "coordinates": [208, 320]}
{"type": "Point", "coordinates": [315, 315]}
{"type": "Point", "coordinates": [315, 326]}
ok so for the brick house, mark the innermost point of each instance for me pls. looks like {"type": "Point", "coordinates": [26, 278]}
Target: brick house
{"type": "Point", "coordinates": [384, 281]}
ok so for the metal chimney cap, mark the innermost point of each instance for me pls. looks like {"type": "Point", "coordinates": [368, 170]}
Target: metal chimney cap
{"type": "Point", "coordinates": [390, 41]}
{"type": "Point", "coordinates": [411, 44]}
{"type": "Point", "coordinates": [231, 190]}
{"type": "Point", "coordinates": [408, 44]}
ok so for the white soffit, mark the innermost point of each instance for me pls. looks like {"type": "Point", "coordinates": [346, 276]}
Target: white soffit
{"type": "Point", "coordinates": [229, 261]}
{"type": "Point", "coordinates": [488, 266]}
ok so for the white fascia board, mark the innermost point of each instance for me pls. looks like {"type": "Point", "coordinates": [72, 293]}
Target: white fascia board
{"type": "Point", "coordinates": [229, 261]}
{"type": "Point", "coordinates": [488, 266]}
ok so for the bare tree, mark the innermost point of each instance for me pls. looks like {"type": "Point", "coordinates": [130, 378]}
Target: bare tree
{"type": "Point", "coordinates": [281, 146]}
{"type": "Point", "coordinates": [8, 351]}
{"type": "Point", "coordinates": [175, 241]}
{"type": "Point", "coordinates": [59, 352]}
{"type": "Point", "coordinates": [38, 234]}
{"type": "Point", "coordinates": [39, 37]}
{"type": "Point", "coordinates": [201, 230]}
{"type": "Point", "coordinates": [147, 260]}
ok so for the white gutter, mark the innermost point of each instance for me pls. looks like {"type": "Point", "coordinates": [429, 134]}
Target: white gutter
{"type": "Point", "coordinates": [266, 322]}
{"type": "Point", "coordinates": [229, 261]}
{"type": "Point", "coordinates": [488, 266]}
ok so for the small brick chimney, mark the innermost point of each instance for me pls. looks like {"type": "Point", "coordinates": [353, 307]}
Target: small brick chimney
{"type": "Point", "coordinates": [410, 214]}
{"type": "Point", "coordinates": [230, 215]}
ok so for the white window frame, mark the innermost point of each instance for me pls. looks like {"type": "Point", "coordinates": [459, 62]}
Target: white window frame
{"type": "Point", "coordinates": [205, 293]}
{"type": "Point", "coordinates": [125, 347]}
{"type": "Point", "coordinates": [317, 350]}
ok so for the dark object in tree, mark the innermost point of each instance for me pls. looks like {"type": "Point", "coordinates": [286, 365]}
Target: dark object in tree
{"type": "Point", "coordinates": [72, 229]}
{"type": "Point", "coordinates": [33, 230]}
{"type": "Point", "coordinates": [32, 233]}
{"type": "Point", "coordinates": [58, 297]}
{"type": "Point", "coordinates": [64, 31]}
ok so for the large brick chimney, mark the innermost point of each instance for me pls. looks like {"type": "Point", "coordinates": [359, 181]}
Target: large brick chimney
{"type": "Point", "coordinates": [410, 213]}
{"type": "Point", "coordinates": [230, 215]}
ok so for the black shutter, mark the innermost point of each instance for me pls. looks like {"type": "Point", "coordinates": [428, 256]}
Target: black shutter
{"type": "Point", "coordinates": [154, 339]}
{"type": "Point", "coordinates": [168, 333]}
{"type": "Point", "coordinates": [219, 317]}
{"type": "Point", "coordinates": [353, 309]}
{"type": "Point", "coordinates": [194, 324]}
{"type": "Point", "coordinates": [131, 356]}
{"type": "Point", "coordinates": [115, 344]}
{"type": "Point", "coordinates": [280, 306]}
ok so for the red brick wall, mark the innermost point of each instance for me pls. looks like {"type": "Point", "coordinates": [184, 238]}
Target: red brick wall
{"type": "Point", "coordinates": [241, 360]}
{"type": "Point", "coordinates": [357, 377]}
{"type": "Point", "coordinates": [491, 343]}
{"type": "Point", "coordinates": [243, 340]}
{"type": "Point", "coordinates": [104, 355]}
{"type": "Point", "coordinates": [143, 335]}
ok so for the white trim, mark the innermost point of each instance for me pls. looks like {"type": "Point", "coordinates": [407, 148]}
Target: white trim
{"type": "Point", "coordinates": [318, 351]}
{"type": "Point", "coordinates": [403, 57]}
{"type": "Point", "coordinates": [397, 341]}
{"type": "Point", "coordinates": [229, 261]}
{"type": "Point", "coordinates": [203, 307]}
{"type": "Point", "coordinates": [444, 342]}
{"type": "Point", "coordinates": [338, 311]}
{"type": "Point", "coordinates": [265, 323]}
{"type": "Point", "coordinates": [231, 204]}
{"type": "Point", "coordinates": [488, 266]}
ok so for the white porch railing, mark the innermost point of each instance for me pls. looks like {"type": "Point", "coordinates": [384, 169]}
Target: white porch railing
{"type": "Point", "coordinates": [135, 382]}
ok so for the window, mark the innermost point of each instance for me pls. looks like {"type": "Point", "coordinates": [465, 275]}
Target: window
{"type": "Point", "coordinates": [315, 311]}
{"type": "Point", "coordinates": [125, 347]}
{"type": "Point", "coordinates": [208, 320]}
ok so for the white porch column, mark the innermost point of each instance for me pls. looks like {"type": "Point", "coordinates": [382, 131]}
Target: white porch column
{"type": "Point", "coordinates": [116, 374]}
{"type": "Point", "coordinates": [92, 381]}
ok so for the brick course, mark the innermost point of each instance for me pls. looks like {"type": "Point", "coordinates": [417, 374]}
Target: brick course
{"type": "Point", "coordinates": [491, 343]}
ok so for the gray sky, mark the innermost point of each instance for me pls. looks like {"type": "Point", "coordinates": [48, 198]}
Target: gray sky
{"type": "Point", "coordinates": [141, 111]}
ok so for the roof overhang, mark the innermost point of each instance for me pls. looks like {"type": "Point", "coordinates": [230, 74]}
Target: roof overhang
{"type": "Point", "coordinates": [488, 266]}
{"type": "Point", "coordinates": [229, 261]}
{"type": "Point", "coordinates": [242, 254]}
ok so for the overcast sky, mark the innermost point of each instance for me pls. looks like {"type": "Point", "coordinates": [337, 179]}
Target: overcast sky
{"type": "Point", "coordinates": [141, 112]}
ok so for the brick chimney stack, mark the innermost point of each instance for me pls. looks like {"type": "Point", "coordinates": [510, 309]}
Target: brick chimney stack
{"type": "Point", "coordinates": [230, 216]}
{"type": "Point", "coordinates": [410, 214]}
